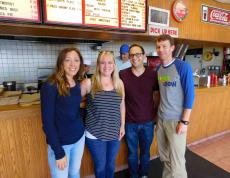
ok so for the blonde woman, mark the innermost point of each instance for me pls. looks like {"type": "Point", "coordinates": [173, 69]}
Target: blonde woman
{"type": "Point", "coordinates": [105, 118]}
{"type": "Point", "coordinates": [63, 127]}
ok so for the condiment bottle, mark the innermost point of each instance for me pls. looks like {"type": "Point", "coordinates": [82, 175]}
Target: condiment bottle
{"type": "Point", "coordinates": [224, 80]}
{"type": "Point", "coordinates": [216, 80]}
{"type": "Point", "coordinates": [229, 79]}
{"type": "Point", "coordinates": [212, 79]}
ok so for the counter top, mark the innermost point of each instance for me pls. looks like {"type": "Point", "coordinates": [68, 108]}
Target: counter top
{"type": "Point", "coordinates": [213, 87]}
{"type": "Point", "coordinates": [17, 107]}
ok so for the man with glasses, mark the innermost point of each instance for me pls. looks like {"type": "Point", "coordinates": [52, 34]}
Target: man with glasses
{"type": "Point", "coordinates": [141, 99]}
{"type": "Point", "coordinates": [176, 100]}
{"type": "Point", "coordinates": [122, 61]}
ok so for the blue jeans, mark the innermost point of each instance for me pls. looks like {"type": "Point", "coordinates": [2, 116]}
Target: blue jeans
{"type": "Point", "coordinates": [74, 154]}
{"type": "Point", "coordinates": [104, 155]}
{"type": "Point", "coordinates": [141, 134]}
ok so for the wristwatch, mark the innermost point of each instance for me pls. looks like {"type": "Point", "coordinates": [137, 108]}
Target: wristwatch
{"type": "Point", "coordinates": [184, 122]}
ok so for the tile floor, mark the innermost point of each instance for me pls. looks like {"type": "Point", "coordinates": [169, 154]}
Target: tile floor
{"type": "Point", "coordinates": [215, 150]}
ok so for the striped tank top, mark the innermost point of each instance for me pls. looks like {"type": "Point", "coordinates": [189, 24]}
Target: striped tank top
{"type": "Point", "coordinates": [103, 118]}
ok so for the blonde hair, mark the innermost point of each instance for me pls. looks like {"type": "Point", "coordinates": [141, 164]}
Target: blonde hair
{"type": "Point", "coordinates": [96, 78]}
{"type": "Point", "coordinates": [59, 77]}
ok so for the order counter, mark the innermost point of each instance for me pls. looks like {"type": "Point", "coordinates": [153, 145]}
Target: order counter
{"type": "Point", "coordinates": [23, 150]}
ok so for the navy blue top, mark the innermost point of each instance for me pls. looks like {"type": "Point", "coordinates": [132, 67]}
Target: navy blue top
{"type": "Point", "coordinates": [61, 117]}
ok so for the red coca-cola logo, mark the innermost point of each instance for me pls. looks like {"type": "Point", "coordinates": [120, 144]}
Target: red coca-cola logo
{"type": "Point", "coordinates": [219, 15]}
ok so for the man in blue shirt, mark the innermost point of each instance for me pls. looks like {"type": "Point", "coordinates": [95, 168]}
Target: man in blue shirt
{"type": "Point", "coordinates": [123, 61]}
{"type": "Point", "coordinates": [176, 100]}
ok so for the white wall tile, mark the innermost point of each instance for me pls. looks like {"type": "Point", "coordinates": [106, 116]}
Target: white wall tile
{"type": "Point", "coordinates": [19, 60]}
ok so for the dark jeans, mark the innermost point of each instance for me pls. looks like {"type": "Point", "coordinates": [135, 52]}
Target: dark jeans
{"type": "Point", "coordinates": [142, 135]}
{"type": "Point", "coordinates": [104, 155]}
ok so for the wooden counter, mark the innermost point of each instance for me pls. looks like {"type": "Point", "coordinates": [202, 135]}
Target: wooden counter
{"type": "Point", "coordinates": [23, 147]}
{"type": "Point", "coordinates": [211, 112]}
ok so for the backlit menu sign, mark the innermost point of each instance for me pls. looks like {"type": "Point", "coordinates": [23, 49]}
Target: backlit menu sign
{"type": "Point", "coordinates": [114, 14]}
{"type": "Point", "coordinates": [63, 11]}
{"type": "Point", "coordinates": [215, 15]}
{"type": "Point", "coordinates": [133, 14]}
{"type": "Point", "coordinates": [101, 13]}
{"type": "Point", "coordinates": [20, 10]}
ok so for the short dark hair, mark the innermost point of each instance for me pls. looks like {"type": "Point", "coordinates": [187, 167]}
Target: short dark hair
{"type": "Point", "coordinates": [165, 37]}
{"type": "Point", "coordinates": [137, 45]}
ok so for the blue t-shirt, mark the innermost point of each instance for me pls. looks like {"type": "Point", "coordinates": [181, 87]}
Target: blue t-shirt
{"type": "Point", "coordinates": [176, 89]}
{"type": "Point", "coordinates": [61, 117]}
{"type": "Point", "coordinates": [121, 65]}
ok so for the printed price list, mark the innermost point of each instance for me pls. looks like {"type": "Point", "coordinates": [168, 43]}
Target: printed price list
{"type": "Point", "coordinates": [64, 11]}
{"type": "Point", "coordinates": [133, 14]}
{"type": "Point", "coordinates": [27, 10]}
{"type": "Point", "coordinates": [102, 13]}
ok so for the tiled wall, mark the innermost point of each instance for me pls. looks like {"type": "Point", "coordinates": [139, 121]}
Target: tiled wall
{"type": "Point", "coordinates": [20, 60]}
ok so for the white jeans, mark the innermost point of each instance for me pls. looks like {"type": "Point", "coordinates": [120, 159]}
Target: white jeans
{"type": "Point", "coordinates": [74, 154]}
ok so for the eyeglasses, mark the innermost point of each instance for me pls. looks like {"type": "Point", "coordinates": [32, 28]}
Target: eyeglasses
{"type": "Point", "coordinates": [137, 55]}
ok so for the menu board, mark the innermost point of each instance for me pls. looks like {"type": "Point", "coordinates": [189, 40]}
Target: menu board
{"type": "Point", "coordinates": [115, 14]}
{"type": "Point", "coordinates": [101, 13]}
{"type": "Point", "coordinates": [63, 11]}
{"type": "Point", "coordinates": [133, 14]}
{"type": "Point", "coordinates": [20, 10]}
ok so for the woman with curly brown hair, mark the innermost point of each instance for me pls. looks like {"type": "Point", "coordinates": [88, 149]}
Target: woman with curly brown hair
{"type": "Point", "coordinates": [63, 127]}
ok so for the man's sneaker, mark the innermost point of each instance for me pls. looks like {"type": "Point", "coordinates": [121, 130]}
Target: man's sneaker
{"type": "Point", "coordinates": [144, 177]}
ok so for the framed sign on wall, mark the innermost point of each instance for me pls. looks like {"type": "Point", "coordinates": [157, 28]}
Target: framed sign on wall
{"type": "Point", "coordinates": [158, 16]}
{"type": "Point", "coordinates": [215, 15]}
{"type": "Point", "coordinates": [124, 15]}
{"type": "Point", "coordinates": [58, 12]}
{"type": "Point", "coordinates": [20, 11]}
{"type": "Point", "coordinates": [179, 10]}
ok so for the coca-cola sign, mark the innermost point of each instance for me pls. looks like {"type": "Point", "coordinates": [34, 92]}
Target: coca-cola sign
{"type": "Point", "coordinates": [215, 15]}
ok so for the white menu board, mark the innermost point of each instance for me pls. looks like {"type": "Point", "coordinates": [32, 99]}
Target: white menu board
{"type": "Point", "coordinates": [65, 11]}
{"type": "Point", "coordinates": [133, 14]}
{"type": "Point", "coordinates": [20, 10]}
{"type": "Point", "coordinates": [101, 13]}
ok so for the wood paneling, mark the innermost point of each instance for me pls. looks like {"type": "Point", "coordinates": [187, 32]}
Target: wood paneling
{"type": "Point", "coordinates": [191, 30]}
{"type": "Point", "coordinates": [192, 27]}
{"type": "Point", "coordinates": [211, 113]}
{"type": "Point", "coordinates": [26, 31]}
{"type": "Point", "coordinates": [23, 148]}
